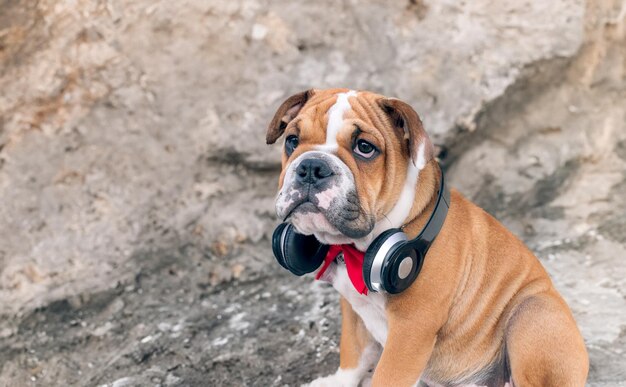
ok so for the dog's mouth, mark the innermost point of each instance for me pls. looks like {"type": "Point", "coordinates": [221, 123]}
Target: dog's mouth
{"type": "Point", "coordinates": [334, 224]}
{"type": "Point", "coordinates": [303, 206]}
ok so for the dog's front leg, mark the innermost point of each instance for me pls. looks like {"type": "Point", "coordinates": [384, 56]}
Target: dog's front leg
{"type": "Point", "coordinates": [358, 352]}
{"type": "Point", "coordinates": [406, 353]}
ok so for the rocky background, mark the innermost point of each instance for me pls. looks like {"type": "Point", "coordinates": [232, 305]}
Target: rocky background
{"type": "Point", "coordinates": [136, 191]}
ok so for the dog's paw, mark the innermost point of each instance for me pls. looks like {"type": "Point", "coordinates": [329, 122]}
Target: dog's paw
{"type": "Point", "coordinates": [341, 378]}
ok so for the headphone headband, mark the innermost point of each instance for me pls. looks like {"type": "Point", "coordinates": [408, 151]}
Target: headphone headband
{"type": "Point", "coordinates": [384, 246]}
{"type": "Point", "coordinates": [438, 216]}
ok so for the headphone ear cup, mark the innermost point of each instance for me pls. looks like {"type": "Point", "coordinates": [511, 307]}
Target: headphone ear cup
{"type": "Point", "coordinates": [401, 268]}
{"type": "Point", "coordinates": [370, 255]}
{"type": "Point", "coordinates": [303, 253]}
{"type": "Point", "coordinates": [277, 238]}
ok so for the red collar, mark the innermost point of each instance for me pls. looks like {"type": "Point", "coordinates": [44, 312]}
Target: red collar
{"type": "Point", "coordinates": [354, 264]}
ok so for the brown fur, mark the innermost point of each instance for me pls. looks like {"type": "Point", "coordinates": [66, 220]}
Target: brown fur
{"type": "Point", "coordinates": [475, 288]}
{"type": "Point", "coordinates": [482, 299]}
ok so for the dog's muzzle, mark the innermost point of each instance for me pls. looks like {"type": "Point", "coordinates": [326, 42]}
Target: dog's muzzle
{"type": "Point", "coordinates": [314, 172]}
{"type": "Point", "coordinates": [319, 196]}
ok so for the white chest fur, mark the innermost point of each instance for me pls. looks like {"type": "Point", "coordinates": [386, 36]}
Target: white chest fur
{"type": "Point", "coordinates": [370, 307]}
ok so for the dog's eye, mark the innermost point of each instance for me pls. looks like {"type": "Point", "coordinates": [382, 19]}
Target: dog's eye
{"type": "Point", "coordinates": [291, 143]}
{"type": "Point", "coordinates": [364, 149]}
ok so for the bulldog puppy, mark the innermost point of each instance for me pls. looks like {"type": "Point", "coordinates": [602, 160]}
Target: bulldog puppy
{"type": "Point", "coordinates": [482, 311]}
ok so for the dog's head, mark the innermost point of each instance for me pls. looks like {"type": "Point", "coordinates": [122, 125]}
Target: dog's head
{"type": "Point", "coordinates": [350, 163]}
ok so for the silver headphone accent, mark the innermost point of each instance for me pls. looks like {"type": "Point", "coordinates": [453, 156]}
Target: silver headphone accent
{"type": "Point", "coordinates": [282, 241]}
{"type": "Point", "coordinates": [381, 254]}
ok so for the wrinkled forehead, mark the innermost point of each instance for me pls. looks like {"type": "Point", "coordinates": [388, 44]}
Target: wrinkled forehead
{"type": "Point", "coordinates": [325, 113]}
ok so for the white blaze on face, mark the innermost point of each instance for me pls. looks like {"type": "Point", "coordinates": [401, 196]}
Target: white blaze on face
{"type": "Point", "coordinates": [335, 121]}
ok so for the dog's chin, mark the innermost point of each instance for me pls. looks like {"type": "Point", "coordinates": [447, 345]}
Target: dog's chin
{"type": "Point", "coordinates": [309, 220]}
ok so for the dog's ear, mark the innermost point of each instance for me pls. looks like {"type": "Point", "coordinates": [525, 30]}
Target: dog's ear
{"type": "Point", "coordinates": [409, 126]}
{"type": "Point", "coordinates": [287, 111]}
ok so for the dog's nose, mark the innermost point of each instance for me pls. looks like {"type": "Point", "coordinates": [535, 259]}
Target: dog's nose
{"type": "Point", "coordinates": [313, 171]}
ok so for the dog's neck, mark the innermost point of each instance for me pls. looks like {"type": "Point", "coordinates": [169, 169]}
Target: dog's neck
{"type": "Point", "coordinates": [424, 203]}
{"type": "Point", "coordinates": [426, 195]}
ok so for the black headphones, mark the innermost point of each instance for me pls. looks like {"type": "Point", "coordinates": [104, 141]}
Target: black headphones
{"type": "Point", "coordinates": [392, 261]}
